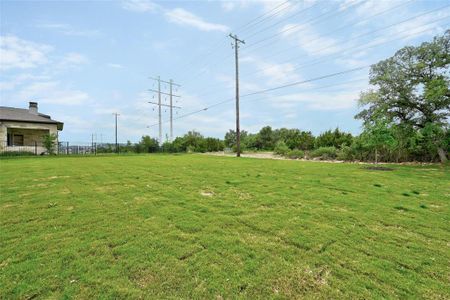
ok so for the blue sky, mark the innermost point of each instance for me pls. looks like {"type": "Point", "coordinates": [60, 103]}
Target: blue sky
{"type": "Point", "coordinates": [84, 60]}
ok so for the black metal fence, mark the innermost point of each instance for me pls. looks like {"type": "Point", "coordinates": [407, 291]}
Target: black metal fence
{"type": "Point", "coordinates": [9, 149]}
{"type": "Point", "coordinates": [61, 148]}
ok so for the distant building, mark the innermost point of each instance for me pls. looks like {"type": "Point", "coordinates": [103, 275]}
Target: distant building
{"type": "Point", "coordinates": [23, 129]}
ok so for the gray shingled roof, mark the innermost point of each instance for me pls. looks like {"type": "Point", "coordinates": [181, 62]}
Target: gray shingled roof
{"type": "Point", "coordinates": [24, 115]}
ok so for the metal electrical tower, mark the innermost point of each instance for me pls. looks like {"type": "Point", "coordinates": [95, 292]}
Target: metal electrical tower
{"type": "Point", "coordinates": [236, 58]}
{"type": "Point", "coordinates": [170, 105]}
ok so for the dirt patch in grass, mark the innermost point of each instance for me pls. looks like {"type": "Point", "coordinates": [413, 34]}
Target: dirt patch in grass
{"type": "Point", "coordinates": [378, 168]}
{"type": "Point", "coordinates": [207, 193]}
{"type": "Point", "coordinates": [304, 281]}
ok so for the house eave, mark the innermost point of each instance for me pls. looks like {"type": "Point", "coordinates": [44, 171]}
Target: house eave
{"type": "Point", "coordinates": [59, 125]}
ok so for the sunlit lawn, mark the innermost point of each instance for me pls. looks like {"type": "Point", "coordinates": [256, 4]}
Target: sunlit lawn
{"type": "Point", "coordinates": [195, 226]}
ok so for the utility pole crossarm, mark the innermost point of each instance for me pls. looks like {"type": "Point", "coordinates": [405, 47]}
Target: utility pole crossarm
{"type": "Point", "coordinates": [167, 94]}
{"type": "Point", "coordinates": [234, 37]}
{"type": "Point", "coordinates": [162, 104]}
{"type": "Point", "coordinates": [164, 81]}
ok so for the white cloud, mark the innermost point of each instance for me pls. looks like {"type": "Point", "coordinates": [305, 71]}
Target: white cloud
{"type": "Point", "coordinates": [228, 5]}
{"type": "Point", "coordinates": [420, 26]}
{"type": "Point", "coordinates": [20, 79]}
{"type": "Point", "coordinates": [68, 30]}
{"type": "Point", "coordinates": [372, 7]}
{"type": "Point", "coordinates": [274, 8]}
{"type": "Point", "coordinates": [309, 40]}
{"type": "Point", "coordinates": [275, 73]}
{"type": "Point", "coordinates": [16, 53]}
{"type": "Point", "coordinates": [245, 86]}
{"type": "Point", "coordinates": [114, 66]}
{"type": "Point", "coordinates": [321, 98]}
{"type": "Point", "coordinates": [72, 60]}
{"type": "Point", "coordinates": [51, 92]}
{"type": "Point", "coordinates": [139, 5]}
{"type": "Point", "coordinates": [184, 17]}
{"type": "Point", "coordinates": [318, 100]}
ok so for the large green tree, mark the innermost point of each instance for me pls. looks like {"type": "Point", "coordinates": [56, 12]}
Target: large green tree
{"type": "Point", "coordinates": [412, 88]}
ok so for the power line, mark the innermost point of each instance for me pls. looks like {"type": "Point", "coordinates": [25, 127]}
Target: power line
{"type": "Point", "coordinates": [345, 52]}
{"type": "Point", "coordinates": [394, 24]}
{"type": "Point", "coordinates": [242, 28]}
{"type": "Point", "coordinates": [359, 36]}
{"type": "Point", "coordinates": [283, 20]}
{"type": "Point", "coordinates": [268, 15]}
{"type": "Point", "coordinates": [321, 60]}
{"type": "Point", "coordinates": [317, 19]}
{"type": "Point", "coordinates": [312, 19]}
{"type": "Point", "coordinates": [339, 29]}
{"type": "Point", "coordinates": [272, 89]}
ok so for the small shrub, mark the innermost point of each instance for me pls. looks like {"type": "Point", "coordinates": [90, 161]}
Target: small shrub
{"type": "Point", "coordinates": [190, 149]}
{"type": "Point", "coordinates": [295, 154]}
{"type": "Point", "coordinates": [324, 153]}
{"type": "Point", "coordinates": [49, 142]}
{"type": "Point", "coordinates": [235, 149]}
{"type": "Point", "coordinates": [346, 153]}
{"type": "Point", "coordinates": [281, 148]}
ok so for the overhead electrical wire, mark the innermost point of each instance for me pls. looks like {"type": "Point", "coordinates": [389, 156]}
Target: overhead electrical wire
{"type": "Point", "coordinates": [296, 83]}
{"type": "Point", "coordinates": [360, 35]}
{"type": "Point", "coordinates": [272, 89]}
{"type": "Point", "coordinates": [341, 28]}
{"type": "Point", "coordinates": [345, 52]}
{"type": "Point", "coordinates": [316, 20]}
{"type": "Point", "coordinates": [260, 71]}
{"type": "Point", "coordinates": [228, 56]}
{"type": "Point", "coordinates": [264, 91]}
{"type": "Point", "coordinates": [283, 20]}
{"type": "Point", "coordinates": [271, 13]}
{"type": "Point", "coordinates": [267, 15]}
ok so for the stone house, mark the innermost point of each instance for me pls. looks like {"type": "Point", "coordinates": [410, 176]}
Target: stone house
{"type": "Point", "coordinates": [24, 129]}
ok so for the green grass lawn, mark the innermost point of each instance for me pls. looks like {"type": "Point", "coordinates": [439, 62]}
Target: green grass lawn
{"type": "Point", "coordinates": [195, 226]}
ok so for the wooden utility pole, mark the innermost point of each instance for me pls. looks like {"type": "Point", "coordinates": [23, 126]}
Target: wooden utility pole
{"type": "Point", "coordinates": [117, 146]}
{"type": "Point", "coordinates": [236, 60]}
{"type": "Point", "coordinates": [159, 104]}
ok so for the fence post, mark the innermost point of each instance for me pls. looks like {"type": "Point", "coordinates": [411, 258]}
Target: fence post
{"type": "Point", "coordinates": [67, 148]}
{"type": "Point", "coordinates": [35, 148]}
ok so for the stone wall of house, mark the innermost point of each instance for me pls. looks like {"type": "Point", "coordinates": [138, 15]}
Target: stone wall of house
{"type": "Point", "coordinates": [3, 137]}
{"type": "Point", "coordinates": [32, 132]}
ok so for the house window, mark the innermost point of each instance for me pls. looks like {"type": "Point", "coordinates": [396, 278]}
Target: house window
{"type": "Point", "coordinates": [18, 140]}
{"type": "Point", "coordinates": [9, 139]}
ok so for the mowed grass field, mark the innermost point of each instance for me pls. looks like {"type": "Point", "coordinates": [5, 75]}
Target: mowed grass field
{"type": "Point", "coordinates": [196, 226]}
